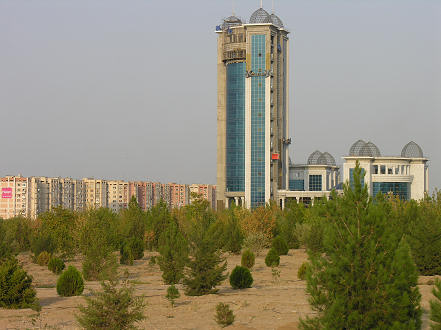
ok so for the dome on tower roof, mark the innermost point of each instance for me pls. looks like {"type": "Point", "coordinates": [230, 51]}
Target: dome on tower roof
{"type": "Point", "coordinates": [363, 149]}
{"type": "Point", "coordinates": [312, 159]}
{"type": "Point", "coordinates": [231, 21]}
{"type": "Point", "coordinates": [355, 148]}
{"type": "Point", "coordinates": [330, 160]}
{"type": "Point", "coordinates": [276, 21]}
{"type": "Point", "coordinates": [260, 16]}
{"type": "Point", "coordinates": [412, 150]}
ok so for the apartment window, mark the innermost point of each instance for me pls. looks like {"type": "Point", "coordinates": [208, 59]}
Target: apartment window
{"type": "Point", "coordinates": [389, 170]}
{"type": "Point", "coordinates": [375, 169]}
{"type": "Point", "coordinates": [383, 169]}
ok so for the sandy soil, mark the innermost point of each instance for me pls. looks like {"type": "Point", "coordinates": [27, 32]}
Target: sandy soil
{"type": "Point", "coordinates": [270, 304]}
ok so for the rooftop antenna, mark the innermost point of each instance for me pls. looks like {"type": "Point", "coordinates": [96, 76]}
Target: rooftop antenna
{"type": "Point", "coordinates": [272, 10]}
{"type": "Point", "coordinates": [232, 5]}
{"type": "Point", "coordinates": [261, 3]}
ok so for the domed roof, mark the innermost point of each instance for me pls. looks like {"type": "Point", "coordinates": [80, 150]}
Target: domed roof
{"type": "Point", "coordinates": [321, 158]}
{"type": "Point", "coordinates": [355, 148]}
{"type": "Point", "coordinates": [231, 21]}
{"type": "Point", "coordinates": [276, 21]}
{"type": "Point", "coordinates": [260, 16]}
{"type": "Point", "coordinates": [363, 149]}
{"type": "Point", "coordinates": [412, 150]}
{"type": "Point", "coordinates": [312, 159]}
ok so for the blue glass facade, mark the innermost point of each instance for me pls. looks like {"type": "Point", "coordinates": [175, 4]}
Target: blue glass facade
{"type": "Point", "coordinates": [400, 189]}
{"type": "Point", "coordinates": [258, 121]}
{"type": "Point", "coordinates": [297, 185]}
{"type": "Point", "coordinates": [235, 127]}
{"type": "Point", "coordinates": [315, 183]}
{"type": "Point", "coordinates": [351, 177]}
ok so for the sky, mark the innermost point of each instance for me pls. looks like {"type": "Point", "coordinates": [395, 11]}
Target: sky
{"type": "Point", "coordinates": [126, 89]}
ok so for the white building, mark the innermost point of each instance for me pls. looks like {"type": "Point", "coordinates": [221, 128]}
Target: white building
{"type": "Point", "coordinates": [406, 176]}
{"type": "Point", "coordinates": [312, 181]}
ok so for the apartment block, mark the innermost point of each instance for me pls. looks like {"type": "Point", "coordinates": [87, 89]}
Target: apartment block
{"type": "Point", "coordinates": [14, 196]}
{"type": "Point", "coordinates": [144, 193]}
{"type": "Point", "coordinates": [206, 191]}
{"type": "Point", "coordinates": [44, 194]}
{"type": "Point", "coordinates": [180, 195]}
{"type": "Point", "coordinates": [96, 193]}
{"type": "Point", "coordinates": [117, 195]}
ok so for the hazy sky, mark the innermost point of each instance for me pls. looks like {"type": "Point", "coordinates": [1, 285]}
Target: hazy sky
{"type": "Point", "coordinates": [126, 89]}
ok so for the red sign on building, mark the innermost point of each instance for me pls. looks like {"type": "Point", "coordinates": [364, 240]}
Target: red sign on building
{"type": "Point", "coordinates": [275, 156]}
{"type": "Point", "coordinates": [6, 192]}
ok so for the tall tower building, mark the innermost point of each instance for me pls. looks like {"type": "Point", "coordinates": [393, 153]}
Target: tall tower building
{"type": "Point", "coordinates": [252, 110]}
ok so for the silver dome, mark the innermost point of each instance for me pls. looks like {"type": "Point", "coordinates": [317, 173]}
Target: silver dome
{"type": "Point", "coordinates": [312, 159]}
{"type": "Point", "coordinates": [412, 150]}
{"type": "Point", "coordinates": [276, 21]}
{"type": "Point", "coordinates": [330, 160]}
{"type": "Point", "coordinates": [231, 21]}
{"type": "Point", "coordinates": [363, 149]}
{"type": "Point", "coordinates": [260, 16]}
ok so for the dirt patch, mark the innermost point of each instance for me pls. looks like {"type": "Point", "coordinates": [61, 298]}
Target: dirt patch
{"type": "Point", "coordinates": [272, 303]}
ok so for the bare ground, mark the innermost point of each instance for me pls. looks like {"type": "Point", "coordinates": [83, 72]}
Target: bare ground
{"type": "Point", "coordinates": [270, 304]}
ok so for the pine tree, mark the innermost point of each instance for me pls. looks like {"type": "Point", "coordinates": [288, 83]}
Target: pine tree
{"type": "Point", "coordinates": [435, 307]}
{"type": "Point", "coordinates": [174, 254]}
{"type": "Point", "coordinates": [206, 266]}
{"type": "Point", "coordinates": [365, 279]}
{"type": "Point", "coordinates": [112, 308]}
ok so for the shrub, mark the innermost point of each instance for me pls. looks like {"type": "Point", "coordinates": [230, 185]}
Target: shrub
{"type": "Point", "coordinates": [248, 259]}
{"type": "Point", "coordinates": [152, 261]}
{"type": "Point", "coordinates": [172, 294]}
{"type": "Point", "coordinates": [301, 233]}
{"type": "Point", "coordinates": [224, 315]}
{"type": "Point", "coordinates": [16, 289]}
{"type": "Point", "coordinates": [314, 238]}
{"type": "Point", "coordinates": [98, 267]}
{"type": "Point", "coordinates": [112, 308]}
{"type": "Point", "coordinates": [241, 278]}
{"type": "Point", "coordinates": [70, 283]}
{"type": "Point", "coordinates": [56, 265]}
{"type": "Point", "coordinates": [435, 306]}
{"type": "Point", "coordinates": [272, 259]}
{"type": "Point", "coordinates": [42, 243]}
{"type": "Point", "coordinates": [255, 242]}
{"type": "Point", "coordinates": [279, 244]}
{"type": "Point", "coordinates": [43, 258]}
{"type": "Point", "coordinates": [301, 273]}
{"type": "Point", "coordinates": [137, 247]}
{"type": "Point", "coordinates": [126, 256]}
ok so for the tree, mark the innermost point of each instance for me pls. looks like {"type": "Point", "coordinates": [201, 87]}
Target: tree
{"type": "Point", "coordinates": [16, 290]}
{"type": "Point", "coordinates": [158, 219]}
{"type": "Point", "coordinates": [435, 306]}
{"type": "Point", "coordinates": [206, 267]}
{"type": "Point", "coordinates": [172, 294]}
{"type": "Point", "coordinates": [365, 279]}
{"type": "Point", "coordinates": [98, 237]}
{"type": "Point", "coordinates": [133, 221]}
{"type": "Point", "coordinates": [174, 254]}
{"type": "Point", "coordinates": [112, 308]}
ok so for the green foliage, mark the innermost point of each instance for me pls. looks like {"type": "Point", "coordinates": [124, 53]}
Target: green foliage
{"type": "Point", "coordinates": [158, 220]}
{"type": "Point", "coordinates": [18, 234]}
{"type": "Point", "coordinates": [241, 278]}
{"type": "Point", "coordinates": [56, 265]}
{"type": "Point", "coordinates": [314, 237]}
{"type": "Point", "coordinates": [293, 215]}
{"type": "Point", "coordinates": [112, 308]}
{"type": "Point", "coordinates": [172, 294]}
{"type": "Point", "coordinates": [97, 240]}
{"type": "Point", "coordinates": [435, 307]}
{"type": "Point", "coordinates": [303, 269]}
{"type": "Point", "coordinates": [137, 247]}
{"type": "Point", "coordinates": [224, 315]}
{"type": "Point", "coordinates": [5, 248]}
{"type": "Point", "coordinates": [272, 259]}
{"type": "Point", "coordinates": [424, 236]}
{"type": "Point", "coordinates": [173, 249]}
{"type": "Point", "coordinates": [365, 279]}
{"type": "Point", "coordinates": [43, 258]}
{"type": "Point", "coordinates": [255, 242]}
{"type": "Point", "coordinates": [126, 256]}
{"type": "Point", "coordinates": [280, 245]}
{"type": "Point", "coordinates": [16, 289]}
{"type": "Point", "coordinates": [152, 261]}
{"type": "Point", "coordinates": [58, 225]}
{"type": "Point", "coordinates": [70, 283]}
{"type": "Point", "coordinates": [228, 232]}
{"type": "Point", "coordinates": [133, 221]}
{"type": "Point", "coordinates": [42, 242]}
{"type": "Point", "coordinates": [248, 259]}
{"type": "Point", "coordinates": [206, 267]}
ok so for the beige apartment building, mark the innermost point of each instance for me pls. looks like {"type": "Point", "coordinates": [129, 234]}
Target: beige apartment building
{"type": "Point", "coordinates": [117, 195]}
{"type": "Point", "coordinates": [206, 191]}
{"type": "Point", "coordinates": [44, 194]}
{"type": "Point", "coordinates": [96, 193]}
{"type": "Point", "coordinates": [14, 196]}
{"type": "Point", "coordinates": [143, 192]}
